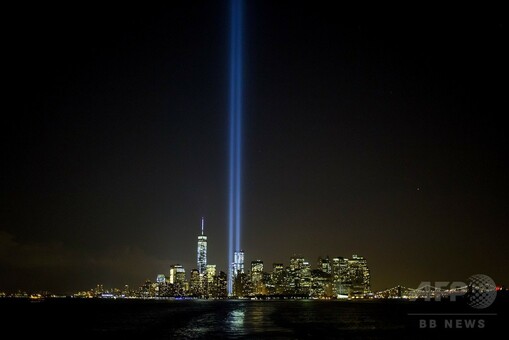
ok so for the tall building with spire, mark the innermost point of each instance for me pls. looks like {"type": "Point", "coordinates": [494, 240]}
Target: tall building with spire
{"type": "Point", "coordinates": [202, 250]}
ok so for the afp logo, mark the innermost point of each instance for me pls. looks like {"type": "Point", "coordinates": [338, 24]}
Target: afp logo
{"type": "Point", "coordinates": [481, 291]}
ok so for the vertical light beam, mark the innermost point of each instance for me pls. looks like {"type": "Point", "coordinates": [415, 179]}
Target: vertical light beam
{"type": "Point", "coordinates": [235, 135]}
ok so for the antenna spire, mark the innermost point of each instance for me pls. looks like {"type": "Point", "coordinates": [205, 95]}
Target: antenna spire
{"type": "Point", "coordinates": [202, 223]}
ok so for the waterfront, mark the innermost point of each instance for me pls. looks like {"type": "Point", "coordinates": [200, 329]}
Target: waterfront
{"type": "Point", "coordinates": [200, 319]}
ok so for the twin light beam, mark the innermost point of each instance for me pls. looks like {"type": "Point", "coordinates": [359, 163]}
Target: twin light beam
{"type": "Point", "coordinates": [235, 133]}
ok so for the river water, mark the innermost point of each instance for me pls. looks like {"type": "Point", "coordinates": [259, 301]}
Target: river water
{"type": "Point", "coordinates": [246, 319]}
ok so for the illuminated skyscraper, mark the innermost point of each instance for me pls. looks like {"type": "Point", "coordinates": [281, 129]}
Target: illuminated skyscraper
{"type": "Point", "coordinates": [296, 263]}
{"type": "Point", "coordinates": [277, 278]}
{"type": "Point", "coordinates": [211, 272]}
{"type": "Point", "coordinates": [238, 263]}
{"type": "Point", "coordinates": [305, 278]}
{"type": "Point", "coordinates": [359, 276]}
{"type": "Point", "coordinates": [202, 250]}
{"type": "Point", "coordinates": [324, 265]}
{"type": "Point", "coordinates": [258, 286]}
{"type": "Point", "coordinates": [256, 271]}
{"type": "Point", "coordinates": [177, 279]}
{"type": "Point", "coordinates": [195, 284]}
{"type": "Point", "coordinates": [209, 283]}
{"type": "Point", "coordinates": [340, 277]}
{"type": "Point", "coordinates": [177, 274]}
{"type": "Point", "coordinates": [241, 283]}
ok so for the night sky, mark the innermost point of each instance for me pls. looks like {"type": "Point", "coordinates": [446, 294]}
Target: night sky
{"type": "Point", "coordinates": [385, 140]}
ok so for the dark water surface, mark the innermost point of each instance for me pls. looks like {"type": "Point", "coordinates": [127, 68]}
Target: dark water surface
{"type": "Point", "coordinates": [287, 319]}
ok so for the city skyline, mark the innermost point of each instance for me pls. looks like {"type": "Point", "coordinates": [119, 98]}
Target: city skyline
{"type": "Point", "coordinates": [385, 140]}
{"type": "Point", "coordinates": [336, 277]}
{"type": "Point", "coordinates": [199, 279]}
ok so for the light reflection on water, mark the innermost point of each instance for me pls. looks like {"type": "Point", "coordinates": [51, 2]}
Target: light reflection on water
{"type": "Point", "coordinates": [254, 319]}
{"type": "Point", "coordinates": [235, 320]}
{"type": "Point", "coordinates": [281, 319]}
{"type": "Point", "coordinates": [231, 319]}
